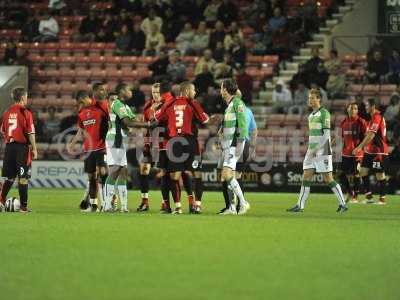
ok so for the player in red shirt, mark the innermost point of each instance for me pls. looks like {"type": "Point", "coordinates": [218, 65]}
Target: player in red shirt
{"type": "Point", "coordinates": [353, 132]}
{"type": "Point", "coordinates": [146, 160]}
{"type": "Point", "coordinates": [376, 151]}
{"type": "Point", "coordinates": [180, 114]}
{"type": "Point", "coordinates": [99, 98]}
{"type": "Point", "coordinates": [19, 135]}
{"type": "Point", "coordinates": [92, 125]}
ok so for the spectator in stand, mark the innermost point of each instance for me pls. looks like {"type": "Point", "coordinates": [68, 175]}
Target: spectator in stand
{"type": "Point", "coordinates": [378, 45]}
{"type": "Point", "coordinates": [300, 76]}
{"type": "Point", "coordinates": [213, 103]}
{"type": "Point", "coordinates": [277, 21]}
{"type": "Point", "coordinates": [123, 42]}
{"type": "Point", "coordinates": [138, 98]}
{"type": "Point", "coordinates": [320, 77]}
{"type": "Point", "coordinates": [10, 54]}
{"type": "Point", "coordinates": [184, 40]}
{"type": "Point", "coordinates": [238, 51]}
{"type": "Point", "coordinates": [68, 122]}
{"type": "Point", "coordinates": [245, 85]}
{"type": "Point", "coordinates": [39, 126]}
{"type": "Point", "coordinates": [234, 31]}
{"type": "Point", "coordinates": [138, 40]}
{"type": "Point", "coordinates": [219, 52]}
{"type": "Point", "coordinates": [333, 64]}
{"type": "Point", "coordinates": [172, 24]}
{"type": "Point", "coordinates": [206, 59]}
{"type": "Point", "coordinates": [56, 4]}
{"type": "Point", "coordinates": [125, 19]}
{"type": "Point", "coordinates": [218, 35]}
{"type": "Point", "coordinates": [159, 67]}
{"type": "Point", "coordinates": [154, 41]}
{"type": "Point", "coordinates": [392, 111]}
{"type": "Point", "coordinates": [394, 67]}
{"type": "Point", "coordinates": [176, 69]}
{"type": "Point", "coordinates": [253, 11]}
{"type": "Point", "coordinates": [151, 21]}
{"type": "Point", "coordinates": [300, 100]}
{"type": "Point", "coordinates": [52, 124]}
{"type": "Point", "coordinates": [377, 69]}
{"type": "Point", "coordinates": [88, 28]}
{"type": "Point", "coordinates": [263, 41]}
{"type": "Point", "coordinates": [48, 29]}
{"type": "Point", "coordinates": [201, 38]}
{"type": "Point", "coordinates": [281, 98]}
{"type": "Point", "coordinates": [224, 69]}
{"type": "Point", "coordinates": [211, 12]}
{"type": "Point", "coordinates": [309, 12]}
{"type": "Point", "coordinates": [311, 65]}
{"type": "Point", "coordinates": [30, 30]}
{"type": "Point", "coordinates": [336, 85]}
{"type": "Point", "coordinates": [204, 80]}
{"type": "Point", "coordinates": [109, 29]}
{"type": "Point", "coordinates": [227, 12]}
{"type": "Point", "coordinates": [281, 43]}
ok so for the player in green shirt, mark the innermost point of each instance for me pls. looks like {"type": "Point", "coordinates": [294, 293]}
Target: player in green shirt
{"type": "Point", "coordinates": [319, 153]}
{"type": "Point", "coordinates": [121, 119]}
{"type": "Point", "coordinates": [233, 134]}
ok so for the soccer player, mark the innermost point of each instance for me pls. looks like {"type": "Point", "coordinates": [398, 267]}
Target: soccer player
{"type": "Point", "coordinates": [233, 136]}
{"type": "Point", "coordinates": [92, 122]}
{"type": "Point", "coordinates": [353, 132]}
{"type": "Point", "coordinates": [376, 151]}
{"type": "Point", "coordinates": [319, 154]}
{"type": "Point", "coordinates": [145, 164]}
{"type": "Point", "coordinates": [19, 135]}
{"type": "Point", "coordinates": [99, 98]}
{"type": "Point", "coordinates": [121, 118]}
{"type": "Point", "coordinates": [179, 115]}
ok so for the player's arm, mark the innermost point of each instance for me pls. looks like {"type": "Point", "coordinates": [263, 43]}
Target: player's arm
{"type": "Point", "coordinates": [134, 123]}
{"type": "Point", "coordinates": [199, 113]}
{"type": "Point", "coordinates": [240, 111]}
{"type": "Point", "coordinates": [369, 136]}
{"type": "Point", "coordinates": [78, 136]}
{"type": "Point", "coordinates": [127, 117]}
{"type": "Point", "coordinates": [32, 141]}
{"type": "Point", "coordinates": [30, 131]}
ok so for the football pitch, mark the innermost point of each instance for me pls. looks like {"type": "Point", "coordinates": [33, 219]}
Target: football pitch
{"type": "Point", "coordinates": [57, 252]}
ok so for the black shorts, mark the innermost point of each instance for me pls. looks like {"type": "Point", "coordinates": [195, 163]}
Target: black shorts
{"type": "Point", "coordinates": [375, 162]}
{"type": "Point", "coordinates": [349, 165]}
{"type": "Point", "coordinates": [198, 159]}
{"type": "Point", "coordinates": [181, 152]}
{"type": "Point", "coordinates": [244, 159]}
{"type": "Point", "coordinates": [16, 161]}
{"type": "Point", "coordinates": [162, 162]}
{"type": "Point", "coordinates": [94, 160]}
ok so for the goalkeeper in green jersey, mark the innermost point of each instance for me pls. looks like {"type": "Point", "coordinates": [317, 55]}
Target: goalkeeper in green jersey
{"type": "Point", "coordinates": [319, 153]}
{"type": "Point", "coordinates": [233, 136]}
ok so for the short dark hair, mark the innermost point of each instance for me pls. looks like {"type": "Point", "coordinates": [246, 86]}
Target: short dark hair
{"type": "Point", "coordinates": [97, 85]}
{"type": "Point", "coordinates": [372, 102]}
{"type": "Point", "coordinates": [81, 94]}
{"type": "Point", "coordinates": [334, 52]}
{"type": "Point", "coordinates": [17, 93]}
{"type": "Point", "coordinates": [120, 87]}
{"type": "Point", "coordinates": [230, 85]}
{"type": "Point", "coordinates": [165, 87]}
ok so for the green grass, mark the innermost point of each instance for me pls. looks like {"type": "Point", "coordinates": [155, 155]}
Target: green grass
{"type": "Point", "coordinates": [56, 252]}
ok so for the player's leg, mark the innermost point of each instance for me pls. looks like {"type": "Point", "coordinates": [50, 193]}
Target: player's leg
{"type": "Point", "coordinates": [176, 190]}
{"type": "Point", "coordinates": [122, 188]}
{"type": "Point", "coordinates": [110, 186]}
{"type": "Point", "coordinates": [85, 199]}
{"type": "Point", "coordinates": [102, 174]}
{"type": "Point", "coordinates": [198, 190]}
{"type": "Point", "coordinates": [366, 165]}
{"type": "Point", "coordinates": [187, 180]}
{"type": "Point", "coordinates": [381, 178]}
{"type": "Point", "coordinates": [9, 171]}
{"type": "Point", "coordinates": [144, 171]}
{"type": "Point", "coordinates": [90, 168]}
{"type": "Point", "coordinates": [336, 189]}
{"type": "Point", "coordinates": [305, 189]}
{"type": "Point", "coordinates": [23, 176]}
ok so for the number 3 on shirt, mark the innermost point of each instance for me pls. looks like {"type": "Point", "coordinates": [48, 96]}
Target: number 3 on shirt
{"type": "Point", "coordinates": [12, 125]}
{"type": "Point", "coordinates": [179, 118]}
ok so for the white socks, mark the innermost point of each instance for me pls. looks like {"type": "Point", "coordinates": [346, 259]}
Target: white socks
{"type": "Point", "coordinates": [233, 184]}
{"type": "Point", "coordinates": [304, 193]}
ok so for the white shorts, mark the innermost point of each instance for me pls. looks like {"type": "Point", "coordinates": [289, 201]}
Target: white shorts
{"type": "Point", "coordinates": [116, 156]}
{"type": "Point", "coordinates": [228, 158]}
{"type": "Point", "coordinates": [321, 164]}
